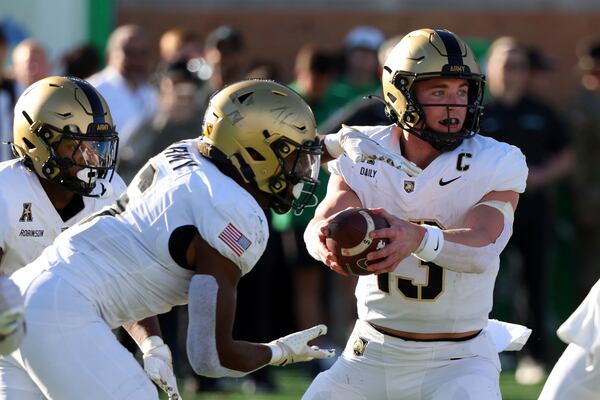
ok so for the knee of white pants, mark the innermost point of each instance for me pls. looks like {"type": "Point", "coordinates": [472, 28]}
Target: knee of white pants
{"type": "Point", "coordinates": [15, 383]}
{"type": "Point", "coordinates": [17, 394]}
{"type": "Point", "coordinates": [469, 387]}
{"type": "Point", "coordinates": [569, 378]}
{"type": "Point", "coordinates": [323, 387]}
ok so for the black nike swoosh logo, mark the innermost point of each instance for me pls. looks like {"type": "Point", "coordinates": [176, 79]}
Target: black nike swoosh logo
{"type": "Point", "coordinates": [437, 245]}
{"type": "Point", "coordinates": [444, 183]}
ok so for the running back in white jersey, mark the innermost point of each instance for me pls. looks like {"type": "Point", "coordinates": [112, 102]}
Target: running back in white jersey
{"type": "Point", "coordinates": [421, 296]}
{"type": "Point", "coordinates": [28, 220]}
{"type": "Point", "coordinates": [129, 259]}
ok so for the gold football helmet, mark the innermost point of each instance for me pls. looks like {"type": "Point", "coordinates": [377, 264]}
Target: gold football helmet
{"type": "Point", "coordinates": [268, 134]}
{"type": "Point", "coordinates": [425, 54]}
{"type": "Point", "coordinates": [64, 132]}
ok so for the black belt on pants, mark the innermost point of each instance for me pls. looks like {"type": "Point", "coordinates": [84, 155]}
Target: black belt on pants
{"type": "Point", "coordinates": [461, 339]}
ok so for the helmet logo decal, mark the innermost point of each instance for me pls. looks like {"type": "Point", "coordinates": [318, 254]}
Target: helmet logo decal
{"type": "Point", "coordinates": [235, 117]}
{"type": "Point", "coordinates": [281, 115]}
{"type": "Point", "coordinates": [458, 68]}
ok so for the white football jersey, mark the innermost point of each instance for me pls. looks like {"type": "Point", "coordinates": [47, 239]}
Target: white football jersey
{"type": "Point", "coordinates": [122, 257]}
{"type": "Point", "coordinates": [28, 220]}
{"type": "Point", "coordinates": [421, 296]}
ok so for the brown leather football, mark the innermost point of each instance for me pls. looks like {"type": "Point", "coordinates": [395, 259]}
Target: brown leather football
{"type": "Point", "coordinates": [349, 238]}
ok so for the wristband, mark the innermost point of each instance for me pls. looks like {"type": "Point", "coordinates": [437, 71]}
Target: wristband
{"type": "Point", "coordinates": [431, 245]}
{"type": "Point", "coordinates": [276, 352]}
{"type": "Point", "coordinates": [333, 146]}
{"type": "Point", "coordinates": [150, 343]}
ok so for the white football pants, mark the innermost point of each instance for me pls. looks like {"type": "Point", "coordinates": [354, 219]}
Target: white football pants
{"type": "Point", "coordinates": [69, 352]}
{"type": "Point", "coordinates": [378, 366]}
{"type": "Point", "coordinates": [569, 380]}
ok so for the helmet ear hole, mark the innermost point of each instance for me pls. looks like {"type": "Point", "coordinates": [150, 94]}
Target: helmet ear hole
{"type": "Point", "coordinates": [256, 156]}
{"type": "Point", "coordinates": [28, 143]}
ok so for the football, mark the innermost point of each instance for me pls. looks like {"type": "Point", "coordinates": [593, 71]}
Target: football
{"type": "Point", "coordinates": [349, 238]}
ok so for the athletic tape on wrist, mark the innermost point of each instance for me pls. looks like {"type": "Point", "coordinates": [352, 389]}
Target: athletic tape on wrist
{"type": "Point", "coordinates": [276, 352]}
{"type": "Point", "coordinates": [333, 145]}
{"type": "Point", "coordinates": [431, 245]}
{"type": "Point", "coordinates": [150, 343]}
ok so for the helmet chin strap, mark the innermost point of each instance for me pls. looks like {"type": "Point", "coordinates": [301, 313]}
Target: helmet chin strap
{"type": "Point", "coordinates": [102, 190]}
{"type": "Point", "coordinates": [87, 175]}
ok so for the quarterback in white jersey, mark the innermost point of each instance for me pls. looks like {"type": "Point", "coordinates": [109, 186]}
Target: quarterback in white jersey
{"type": "Point", "coordinates": [576, 374]}
{"type": "Point", "coordinates": [422, 329]}
{"type": "Point", "coordinates": [190, 224]}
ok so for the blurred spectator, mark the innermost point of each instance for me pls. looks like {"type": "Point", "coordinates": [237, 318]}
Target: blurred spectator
{"type": "Point", "coordinates": [179, 44]}
{"type": "Point", "coordinates": [512, 115]}
{"type": "Point", "coordinates": [264, 69]}
{"type": "Point", "coordinates": [8, 98]}
{"type": "Point", "coordinates": [314, 72]}
{"type": "Point", "coordinates": [124, 82]}
{"type": "Point", "coordinates": [177, 118]}
{"type": "Point", "coordinates": [583, 114]}
{"type": "Point", "coordinates": [540, 65]}
{"type": "Point", "coordinates": [363, 111]}
{"type": "Point", "coordinates": [223, 52]}
{"type": "Point", "coordinates": [4, 47]}
{"type": "Point", "coordinates": [361, 69]}
{"type": "Point", "coordinates": [82, 61]}
{"type": "Point", "coordinates": [30, 64]}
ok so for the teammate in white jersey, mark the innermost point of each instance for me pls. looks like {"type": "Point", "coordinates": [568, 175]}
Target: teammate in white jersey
{"type": "Point", "coordinates": [422, 321]}
{"type": "Point", "coordinates": [576, 375]}
{"type": "Point", "coordinates": [190, 224]}
{"type": "Point", "coordinates": [66, 148]}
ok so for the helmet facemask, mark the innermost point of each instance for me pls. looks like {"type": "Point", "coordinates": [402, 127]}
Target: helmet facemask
{"type": "Point", "coordinates": [293, 187]}
{"type": "Point", "coordinates": [413, 119]}
{"type": "Point", "coordinates": [76, 160]}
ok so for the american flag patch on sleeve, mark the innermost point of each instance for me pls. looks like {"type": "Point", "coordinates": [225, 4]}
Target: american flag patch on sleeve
{"type": "Point", "coordinates": [234, 239]}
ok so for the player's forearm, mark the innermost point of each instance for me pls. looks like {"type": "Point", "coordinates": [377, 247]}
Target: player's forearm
{"type": "Point", "coordinates": [244, 356]}
{"type": "Point", "coordinates": [141, 330]}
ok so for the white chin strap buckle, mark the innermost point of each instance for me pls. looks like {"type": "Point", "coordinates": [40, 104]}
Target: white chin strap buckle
{"type": "Point", "coordinates": [297, 190]}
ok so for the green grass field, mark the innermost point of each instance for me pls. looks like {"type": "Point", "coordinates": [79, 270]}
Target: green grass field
{"type": "Point", "coordinates": [293, 383]}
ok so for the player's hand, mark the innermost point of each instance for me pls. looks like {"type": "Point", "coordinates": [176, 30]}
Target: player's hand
{"type": "Point", "coordinates": [359, 147]}
{"type": "Point", "coordinates": [295, 347]}
{"type": "Point", "coordinates": [405, 237]}
{"type": "Point", "coordinates": [326, 256]}
{"type": "Point", "coordinates": [158, 365]}
{"type": "Point", "coordinates": [11, 307]}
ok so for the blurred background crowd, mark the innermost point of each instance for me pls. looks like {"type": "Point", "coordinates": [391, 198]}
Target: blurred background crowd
{"type": "Point", "coordinates": [158, 62]}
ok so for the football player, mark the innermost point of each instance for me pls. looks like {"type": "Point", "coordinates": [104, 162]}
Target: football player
{"type": "Point", "coordinates": [189, 226]}
{"type": "Point", "coordinates": [576, 374]}
{"type": "Point", "coordinates": [66, 148]}
{"type": "Point", "coordinates": [422, 330]}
